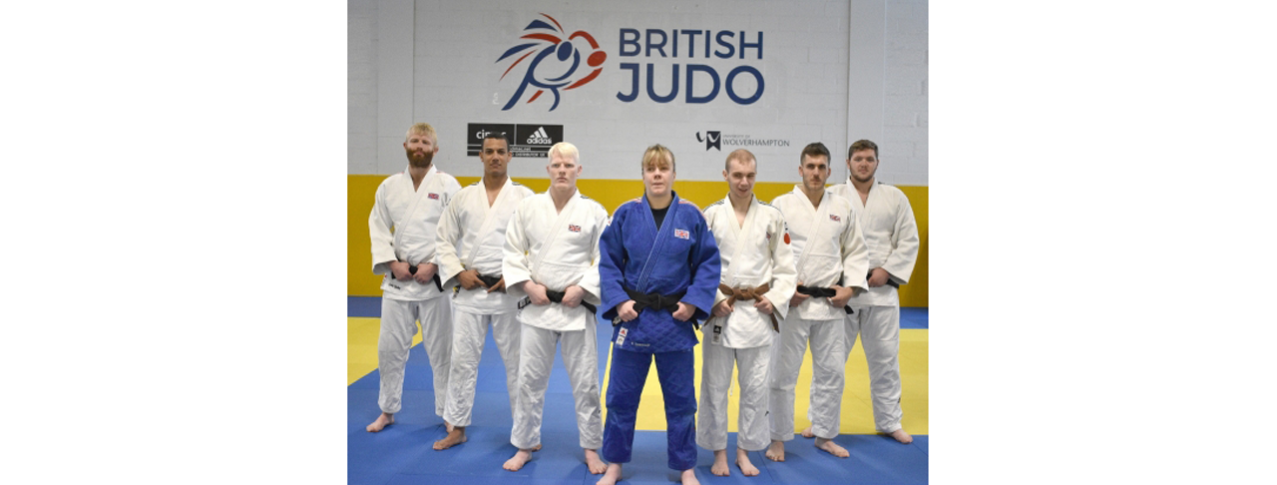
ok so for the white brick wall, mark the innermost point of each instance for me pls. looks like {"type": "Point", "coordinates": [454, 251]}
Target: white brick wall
{"type": "Point", "coordinates": [835, 71]}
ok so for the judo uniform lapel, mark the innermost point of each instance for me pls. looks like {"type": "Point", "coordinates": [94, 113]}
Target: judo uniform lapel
{"type": "Point", "coordinates": [662, 234]}
{"type": "Point", "coordinates": [420, 193]}
{"type": "Point", "coordinates": [814, 233]}
{"type": "Point", "coordinates": [491, 217]}
{"type": "Point", "coordinates": [555, 229]}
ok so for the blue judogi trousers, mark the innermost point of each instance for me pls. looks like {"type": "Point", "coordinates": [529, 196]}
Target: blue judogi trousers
{"type": "Point", "coordinates": [625, 385]}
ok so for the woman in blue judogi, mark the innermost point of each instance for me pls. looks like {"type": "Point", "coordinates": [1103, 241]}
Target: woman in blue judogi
{"type": "Point", "coordinates": [659, 270]}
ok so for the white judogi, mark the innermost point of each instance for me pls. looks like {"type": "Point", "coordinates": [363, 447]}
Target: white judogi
{"type": "Point", "coordinates": [752, 254]}
{"type": "Point", "coordinates": [556, 249]}
{"type": "Point", "coordinates": [413, 214]}
{"type": "Point", "coordinates": [892, 236]}
{"type": "Point", "coordinates": [828, 245]}
{"type": "Point", "coordinates": [471, 235]}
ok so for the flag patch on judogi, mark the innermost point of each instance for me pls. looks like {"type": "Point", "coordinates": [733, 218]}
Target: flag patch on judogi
{"type": "Point", "coordinates": [574, 228]}
{"type": "Point", "coordinates": [835, 218]}
{"type": "Point", "coordinates": [682, 234]}
{"type": "Point", "coordinates": [434, 196]}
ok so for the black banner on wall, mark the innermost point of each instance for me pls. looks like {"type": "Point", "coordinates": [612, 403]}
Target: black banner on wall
{"type": "Point", "coordinates": [526, 140]}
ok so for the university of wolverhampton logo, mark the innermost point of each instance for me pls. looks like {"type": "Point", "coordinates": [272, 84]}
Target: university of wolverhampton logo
{"type": "Point", "coordinates": [713, 139]}
{"type": "Point", "coordinates": [546, 73]}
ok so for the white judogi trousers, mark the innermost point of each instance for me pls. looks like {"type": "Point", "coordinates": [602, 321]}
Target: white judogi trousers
{"type": "Point", "coordinates": [398, 326]}
{"type": "Point", "coordinates": [753, 429]}
{"type": "Point", "coordinates": [828, 355]}
{"type": "Point", "coordinates": [469, 331]}
{"type": "Point", "coordinates": [879, 330]}
{"type": "Point", "coordinates": [581, 358]}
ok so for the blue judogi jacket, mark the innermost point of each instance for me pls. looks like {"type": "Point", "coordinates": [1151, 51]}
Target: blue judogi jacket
{"type": "Point", "coordinates": [682, 256]}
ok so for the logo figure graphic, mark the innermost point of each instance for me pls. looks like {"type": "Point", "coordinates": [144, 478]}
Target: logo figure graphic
{"type": "Point", "coordinates": [713, 139]}
{"type": "Point", "coordinates": [550, 77]}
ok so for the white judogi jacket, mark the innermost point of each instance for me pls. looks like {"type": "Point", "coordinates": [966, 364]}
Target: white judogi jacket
{"type": "Point", "coordinates": [829, 247]}
{"type": "Point", "coordinates": [891, 234]}
{"type": "Point", "coordinates": [413, 214]}
{"type": "Point", "coordinates": [471, 235]}
{"type": "Point", "coordinates": [752, 254]}
{"type": "Point", "coordinates": [555, 249]}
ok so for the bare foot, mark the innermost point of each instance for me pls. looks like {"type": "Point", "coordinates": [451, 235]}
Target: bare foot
{"type": "Point", "coordinates": [455, 437]}
{"type": "Point", "coordinates": [832, 448]}
{"type": "Point", "coordinates": [689, 477]}
{"type": "Point", "coordinates": [808, 434]}
{"type": "Point", "coordinates": [448, 426]}
{"type": "Point", "coordinates": [720, 468]}
{"type": "Point", "coordinates": [901, 436]}
{"type": "Point", "coordinates": [536, 448]}
{"type": "Point", "coordinates": [776, 452]}
{"type": "Point", "coordinates": [747, 467]}
{"type": "Point", "coordinates": [516, 462]}
{"type": "Point", "coordinates": [382, 421]}
{"type": "Point", "coordinates": [592, 461]}
{"type": "Point", "coordinates": [613, 474]}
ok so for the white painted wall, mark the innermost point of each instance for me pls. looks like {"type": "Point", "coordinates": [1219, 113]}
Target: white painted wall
{"type": "Point", "coordinates": [835, 71]}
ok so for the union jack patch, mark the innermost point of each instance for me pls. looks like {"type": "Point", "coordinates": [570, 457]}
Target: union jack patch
{"type": "Point", "coordinates": [835, 218]}
{"type": "Point", "coordinates": [574, 228]}
{"type": "Point", "coordinates": [682, 234]}
{"type": "Point", "coordinates": [434, 196]}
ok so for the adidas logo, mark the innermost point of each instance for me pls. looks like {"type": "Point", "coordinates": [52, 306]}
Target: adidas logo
{"type": "Point", "coordinates": [539, 137]}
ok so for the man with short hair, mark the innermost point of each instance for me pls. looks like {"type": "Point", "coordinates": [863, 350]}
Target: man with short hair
{"type": "Point", "coordinates": [831, 259]}
{"type": "Point", "coordinates": [757, 281]}
{"type": "Point", "coordinates": [402, 227]}
{"type": "Point", "coordinates": [891, 235]}
{"type": "Point", "coordinates": [551, 259]}
{"type": "Point", "coordinates": [470, 243]}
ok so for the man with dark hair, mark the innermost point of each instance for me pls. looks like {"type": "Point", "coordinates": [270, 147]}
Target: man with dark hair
{"type": "Point", "coordinates": [891, 235]}
{"type": "Point", "coordinates": [470, 243]}
{"type": "Point", "coordinates": [831, 261]}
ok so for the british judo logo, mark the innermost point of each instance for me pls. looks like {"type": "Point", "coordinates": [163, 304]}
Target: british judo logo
{"type": "Point", "coordinates": [544, 73]}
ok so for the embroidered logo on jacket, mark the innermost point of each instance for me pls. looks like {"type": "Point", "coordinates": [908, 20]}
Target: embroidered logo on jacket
{"type": "Point", "coordinates": [682, 234]}
{"type": "Point", "coordinates": [835, 218]}
{"type": "Point", "coordinates": [434, 196]}
{"type": "Point", "coordinates": [574, 228]}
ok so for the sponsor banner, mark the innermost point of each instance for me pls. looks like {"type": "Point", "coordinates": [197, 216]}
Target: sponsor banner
{"type": "Point", "coordinates": [526, 140]}
{"type": "Point", "coordinates": [717, 140]}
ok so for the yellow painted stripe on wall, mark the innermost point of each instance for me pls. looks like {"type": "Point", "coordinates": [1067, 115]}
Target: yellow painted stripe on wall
{"type": "Point", "coordinates": [611, 193]}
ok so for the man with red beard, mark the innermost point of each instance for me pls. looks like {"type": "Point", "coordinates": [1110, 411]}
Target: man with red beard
{"type": "Point", "coordinates": [402, 227]}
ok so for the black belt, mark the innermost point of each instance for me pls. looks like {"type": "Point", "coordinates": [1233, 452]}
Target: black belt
{"type": "Point", "coordinates": [823, 293]}
{"type": "Point", "coordinates": [557, 297]}
{"type": "Point", "coordinates": [413, 270]}
{"type": "Point", "coordinates": [652, 300]}
{"type": "Point", "coordinates": [817, 291]}
{"type": "Point", "coordinates": [489, 281]}
{"type": "Point", "coordinates": [655, 300]}
{"type": "Point", "coordinates": [889, 280]}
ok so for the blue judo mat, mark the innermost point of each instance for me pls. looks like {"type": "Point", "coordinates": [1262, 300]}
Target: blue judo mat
{"type": "Point", "coordinates": [402, 453]}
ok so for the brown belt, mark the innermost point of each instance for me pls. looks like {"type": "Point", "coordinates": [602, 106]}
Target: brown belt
{"type": "Point", "coordinates": [746, 294]}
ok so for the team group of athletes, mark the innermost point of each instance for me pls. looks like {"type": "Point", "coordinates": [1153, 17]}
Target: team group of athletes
{"type": "Point", "coordinates": [759, 282]}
